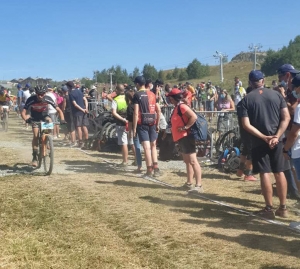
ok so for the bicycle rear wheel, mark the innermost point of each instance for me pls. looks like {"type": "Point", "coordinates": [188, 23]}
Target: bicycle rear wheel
{"type": "Point", "coordinates": [48, 157]}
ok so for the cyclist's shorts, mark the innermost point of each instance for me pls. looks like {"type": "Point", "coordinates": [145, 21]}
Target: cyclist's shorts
{"type": "Point", "coordinates": [43, 118]}
{"type": "Point", "coordinates": [5, 103]}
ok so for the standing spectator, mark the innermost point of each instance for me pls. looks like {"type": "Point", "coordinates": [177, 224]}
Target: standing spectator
{"type": "Point", "coordinates": [92, 99]}
{"type": "Point", "coordinates": [146, 124]}
{"type": "Point", "coordinates": [245, 167]}
{"type": "Point", "coordinates": [67, 110]}
{"type": "Point", "coordinates": [187, 96]}
{"type": "Point", "coordinates": [136, 148]}
{"type": "Point", "coordinates": [104, 97]}
{"type": "Point", "coordinates": [180, 126]}
{"type": "Point", "coordinates": [211, 94]}
{"type": "Point", "coordinates": [79, 110]}
{"type": "Point", "coordinates": [19, 99]}
{"type": "Point", "coordinates": [293, 140]}
{"type": "Point", "coordinates": [238, 82]}
{"type": "Point", "coordinates": [239, 93]}
{"type": "Point", "coordinates": [225, 103]}
{"type": "Point", "coordinates": [119, 112]}
{"type": "Point", "coordinates": [285, 75]}
{"type": "Point", "coordinates": [26, 95]}
{"type": "Point", "coordinates": [52, 111]}
{"type": "Point", "coordinates": [265, 116]}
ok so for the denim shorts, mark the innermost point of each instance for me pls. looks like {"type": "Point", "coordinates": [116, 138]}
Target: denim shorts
{"type": "Point", "coordinates": [146, 133]}
{"type": "Point", "coordinates": [296, 164]}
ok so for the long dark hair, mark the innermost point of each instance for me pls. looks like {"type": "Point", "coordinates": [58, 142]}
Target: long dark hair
{"type": "Point", "coordinates": [128, 96]}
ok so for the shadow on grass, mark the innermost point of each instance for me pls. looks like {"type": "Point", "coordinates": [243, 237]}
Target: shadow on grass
{"type": "Point", "coordinates": [126, 183]}
{"type": "Point", "coordinates": [213, 175]}
{"type": "Point", "coordinates": [262, 242]}
{"type": "Point", "coordinates": [17, 168]}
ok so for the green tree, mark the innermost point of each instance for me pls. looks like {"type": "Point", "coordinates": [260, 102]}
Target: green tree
{"type": "Point", "coordinates": [161, 75]}
{"type": "Point", "coordinates": [150, 72]}
{"type": "Point", "coordinates": [289, 54]}
{"type": "Point", "coordinates": [176, 72]}
{"type": "Point", "coordinates": [87, 82]}
{"type": "Point", "coordinates": [196, 70]}
{"type": "Point", "coordinates": [183, 75]}
{"type": "Point", "coordinates": [136, 72]}
{"type": "Point", "coordinates": [169, 76]}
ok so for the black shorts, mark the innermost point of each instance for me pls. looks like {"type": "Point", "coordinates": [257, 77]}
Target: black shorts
{"type": "Point", "coordinates": [81, 120]}
{"type": "Point", "coordinates": [187, 145]}
{"type": "Point", "coordinates": [45, 118]}
{"type": "Point", "coordinates": [266, 160]}
{"type": "Point", "coordinates": [5, 103]}
{"type": "Point", "coordinates": [70, 122]}
{"type": "Point", "coordinates": [146, 133]}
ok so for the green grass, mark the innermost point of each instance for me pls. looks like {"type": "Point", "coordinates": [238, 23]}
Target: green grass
{"type": "Point", "coordinates": [230, 70]}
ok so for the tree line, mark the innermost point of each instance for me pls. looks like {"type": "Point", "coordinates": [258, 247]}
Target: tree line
{"type": "Point", "coordinates": [194, 70]}
{"type": "Point", "coordinates": [288, 54]}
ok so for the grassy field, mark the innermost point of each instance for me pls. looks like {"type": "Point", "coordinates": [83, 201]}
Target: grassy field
{"type": "Point", "coordinates": [230, 70]}
{"type": "Point", "coordinates": [90, 215]}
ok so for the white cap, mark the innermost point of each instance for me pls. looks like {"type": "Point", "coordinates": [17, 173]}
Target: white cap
{"type": "Point", "coordinates": [93, 87]}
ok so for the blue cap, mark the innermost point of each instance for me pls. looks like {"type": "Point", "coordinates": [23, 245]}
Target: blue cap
{"type": "Point", "coordinates": [19, 86]}
{"type": "Point", "coordinates": [287, 68]}
{"type": "Point", "coordinates": [255, 75]}
{"type": "Point", "coordinates": [27, 85]}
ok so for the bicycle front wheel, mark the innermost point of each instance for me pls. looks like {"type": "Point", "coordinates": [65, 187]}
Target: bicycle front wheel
{"type": "Point", "coordinates": [48, 157]}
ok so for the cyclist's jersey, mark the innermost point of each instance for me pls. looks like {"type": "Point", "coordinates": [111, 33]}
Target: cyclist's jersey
{"type": "Point", "coordinates": [39, 109]}
{"type": "Point", "coordinates": [3, 98]}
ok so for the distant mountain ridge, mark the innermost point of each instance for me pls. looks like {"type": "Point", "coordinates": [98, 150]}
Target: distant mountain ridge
{"type": "Point", "coordinates": [249, 57]}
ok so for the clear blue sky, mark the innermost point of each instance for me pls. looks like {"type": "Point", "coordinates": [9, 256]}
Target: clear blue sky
{"type": "Point", "coordinates": [66, 39]}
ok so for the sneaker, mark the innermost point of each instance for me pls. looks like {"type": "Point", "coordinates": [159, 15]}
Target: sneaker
{"type": "Point", "coordinates": [250, 178]}
{"type": "Point", "coordinates": [281, 212]}
{"type": "Point", "coordinates": [157, 172]}
{"type": "Point", "coordinates": [34, 162]}
{"type": "Point", "coordinates": [239, 173]}
{"type": "Point", "coordinates": [54, 137]}
{"type": "Point", "coordinates": [59, 136]}
{"type": "Point", "coordinates": [186, 186]}
{"type": "Point", "coordinates": [146, 175]}
{"type": "Point", "coordinates": [122, 165]}
{"type": "Point", "coordinates": [266, 213]}
{"type": "Point", "coordinates": [74, 145]}
{"type": "Point", "coordinates": [196, 189]}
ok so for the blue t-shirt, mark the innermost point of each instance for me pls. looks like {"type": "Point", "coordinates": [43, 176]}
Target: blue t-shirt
{"type": "Point", "coordinates": [20, 94]}
{"type": "Point", "coordinates": [77, 96]}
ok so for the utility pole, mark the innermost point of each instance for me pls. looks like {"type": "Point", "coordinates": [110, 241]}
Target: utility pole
{"type": "Point", "coordinates": [95, 76]}
{"type": "Point", "coordinates": [111, 74]}
{"type": "Point", "coordinates": [254, 49]}
{"type": "Point", "coordinates": [220, 56]}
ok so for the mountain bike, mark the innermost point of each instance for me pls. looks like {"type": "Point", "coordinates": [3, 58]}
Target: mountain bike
{"type": "Point", "coordinates": [45, 146]}
{"type": "Point", "coordinates": [5, 118]}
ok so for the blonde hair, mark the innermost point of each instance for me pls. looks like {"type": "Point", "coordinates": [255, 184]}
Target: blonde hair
{"type": "Point", "coordinates": [227, 97]}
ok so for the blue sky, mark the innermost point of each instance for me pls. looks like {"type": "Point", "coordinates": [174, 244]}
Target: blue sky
{"type": "Point", "coordinates": [66, 39]}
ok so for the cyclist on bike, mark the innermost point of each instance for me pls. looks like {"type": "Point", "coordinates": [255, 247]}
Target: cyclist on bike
{"type": "Point", "coordinates": [3, 100]}
{"type": "Point", "coordinates": [38, 107]}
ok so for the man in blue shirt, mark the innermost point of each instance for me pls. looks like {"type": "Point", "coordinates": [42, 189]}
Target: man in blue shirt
{"type": "Point", "coordinates": [79, 106]}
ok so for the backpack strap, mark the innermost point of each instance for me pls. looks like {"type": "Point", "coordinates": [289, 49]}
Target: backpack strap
{"type": "Point", "coordinates": [180, 113]}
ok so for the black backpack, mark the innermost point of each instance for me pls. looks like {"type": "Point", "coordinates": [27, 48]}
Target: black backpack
{"type": "Point", "coordinates": [199, 129]}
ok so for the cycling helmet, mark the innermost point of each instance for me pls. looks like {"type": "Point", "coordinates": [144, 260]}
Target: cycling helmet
{"type": "Point", "coordinates": [40, 89]}
{"type": "Point", "coordinates": [27, 85]}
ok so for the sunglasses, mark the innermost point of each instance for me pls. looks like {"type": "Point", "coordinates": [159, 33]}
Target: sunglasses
{"type": "Point", "coordinates": [40, 94]}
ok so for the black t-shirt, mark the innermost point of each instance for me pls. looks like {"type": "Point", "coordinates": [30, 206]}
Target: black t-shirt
{"type": "Point", "coordinates": [77, 96]}
{"type": "Point", "coordinates": [130, 111]}
{"type": "Point", "coordinates": [141, 98]}
{"type": "Point", "coordinates": [68, 104]}
{"type": "Point", "coordinates": [263, 108]}
{"type": "Point", "coordinates": [92, 94]}
{"type": "Point", "coordinates": [39, 109]}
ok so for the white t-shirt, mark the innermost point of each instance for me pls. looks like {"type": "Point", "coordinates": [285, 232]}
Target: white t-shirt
{"type": "Point", "coordinates": [51, 109]}
{"type": "Point", "coordinates": [26, 95]}
{"type": "Point", "coordinates": [114, 105]}
{"type": "Point", "coordinates": [239, 94]}
{"type": "Point", "coordinates": [296, 146]}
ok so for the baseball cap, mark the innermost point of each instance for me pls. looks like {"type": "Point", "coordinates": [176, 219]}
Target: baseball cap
{"type": "Point", "coordinates": [296, 80]}
{"type": "Point", "coordinates": [174, 91]}
{"type": "Point", "coordinates": [255, 75]}
{"type": "Point", "coordinates": [64, 88]}
{"type": "Point", "coordinates": [287, 68]}
{"type": "Point", "coordinates": [49, 88]}
{"type": "Point", "coordinates": [140, 80]}
{"type": "Point", "coordinates": [70, 84]}
{"type": "Point", "coordinates": [93, 87]}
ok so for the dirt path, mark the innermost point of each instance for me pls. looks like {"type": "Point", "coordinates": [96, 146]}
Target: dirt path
{"type": "Point", "coordinates": [90, 215]}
